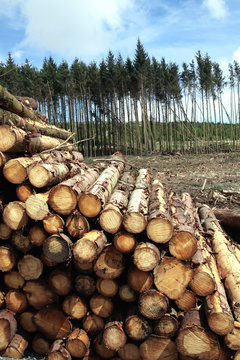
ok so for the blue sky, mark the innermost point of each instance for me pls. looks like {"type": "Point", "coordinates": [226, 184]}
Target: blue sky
{"type": "Point", "coordinates": [65, 29]}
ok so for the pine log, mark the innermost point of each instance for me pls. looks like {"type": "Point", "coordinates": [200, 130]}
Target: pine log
{"type": "Point", "coordinates": [8, 328]}
{"type": "Point", "coordinates": [5, 231]}
{"type": "Point", "coordinates": [227, 217]}
{"type": "Point", "coordinates": [23, 191]}
{"type": "Point", "coordinates": [232, 339]}
{"type": "Point", "coordinates": [26, 321]}
{"type": "Point", "coordinates": [129, 351]}
{"type": "Point", "coordinates": [183, 244]}
{"type": "Point", "coordinates": [58, 248]}
{"type": "Point", "coordinates": [78, 343]}
{"type": "Point", "coordinates": [16, 301]}
{"type": "Point", "coordinates": [159, 227]}
{"type": "Point", "coordinates": [91, 202]}
{"type": "Point", "coordinates": [158, 348]}
{"type": "Point", "coordinates": [146, 256]}
{"type": "Point", "coordinates": [227, 260]}
{"type": "Point", "coordinates": [87, 249]}
{"type": "Point", "coordinates": [137, 328]}
{"type": "Point", "coordinates": [52, 323]}
{"type": "Point", "coordinates": [195, 340]}
{"type": "Point", "coordinates": [124, 242]}
{"type": "Point", "coordinates": [58, 351]}
{"type": "Point", "coordinates": [74, 306]}
{"type": "Point", "coordinates": [14, 215]}
{"type": "Point", "coordinates": [60, 282]}
{"type": "Point", "coordinates": [110, 263]}
{"type": "Point", "coordinates": [36, 206]}
{"type": "Point", "coordinates": [21, 242]}
{"type": "Point", "coordinates": [38, 294]}
{"type": "Point", "coordinates": [101, 349]}
{"type": "Point", "coordinates": [152, 304]}
{"type": "Point", "coordinates": [40, 345]}
{"type": "Point", "coordinates": [2, 299]}
{"type": "Point", "coordinates": [77, 225]}
{"type": "Point", "coordinates": [111, 217]}
{"type": "Point", "coordinates": [30, 267]}
{"type": "Point", "coordinates": [7, 258]}
{"type": "Point", "coordinates": [16, 347]}
{"type": "Point", "coordinates": [114, 337]}
{"type": "Point", "coordinates": [93, 324]}
{"type": "Point", "coordinates": [37, 235]}
{"type": "Point", "coordinates": [127, 294]}
{"type": "Point", "coordinates": [135, 219]}
{"type": "Point", "coordinates": [171, 277]}
{"type": "Point", "coordinates": [101, 305]}
{"type": "Point", "coordinates": [16, 170]}
{"type": "Point", "coordinates": [13, 280]}
{"type": "Point", "coordinates": [107, 287]}
{"type": "Point", "coordinates": [53, 223]}
{"type": "Point", "coordinates": [29, 125]}
{"type": "Point", "coordinates": [139, 280]}
{"type": "Point", "coordinates": [85, 285]}
{"type": "Point", "coordinates": [63, 197]}
{"type": "Point", "coordinates": [28, 102]}
{"type": "Point", "coordinates": [167, 325]}
{"type": "Point", "coordinates": [187, 301]}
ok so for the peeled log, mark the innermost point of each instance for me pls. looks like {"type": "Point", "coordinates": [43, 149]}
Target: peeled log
{"type": "Point", "coordinates": [114, 337]}
{"type": "Point", "coordinates": [152, 304]}
{"type": "Point", "coordinates": [16, 347]}
{"type": "Point", "coordinates": [110, 263]}
{"type": "Point", "coordinates": [58, 248]}
{"type": "Point", "coordinates": [171, 277]}
{"type": "Point", "coordinates": [8, 328]}
{"type": "Point", "coordinates": [135, 219]}
{"type": "Point", "coordinates": [87, 248]}
{"type": "Point", "coordinates": [78, 343]}
{"type": "Point", "coordinates": [14, 215]}
{"type": "Point", "coordinates": [146, 256]}
{"type": "Point", "coordinates": [159, 228]}
{"type": "Point", "coordinates": [63, 197]}
{"type": "Point", "coordinates": [194, 340]}
{"type": "Point", "coordinates": [111, 217]}
{"type": "Point", "coordinates": [183, 244]}
{"type": "Point", "coordinates": [158, 348]}
{"type": "Point", "coordinates": [52, 323]}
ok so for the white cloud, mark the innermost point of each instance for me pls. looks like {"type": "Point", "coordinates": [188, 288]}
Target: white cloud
{"type": "Point", "coordinates": [236, 55]}
{"type": "Point", "coordinates": [217, 8]}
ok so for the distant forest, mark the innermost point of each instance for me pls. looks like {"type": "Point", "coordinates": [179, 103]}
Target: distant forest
{"type": "Point", "coordinates": [138, 106]}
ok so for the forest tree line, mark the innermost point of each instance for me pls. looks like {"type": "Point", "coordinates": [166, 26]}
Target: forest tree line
{"type": "Point", "coordinates": [137, 106]}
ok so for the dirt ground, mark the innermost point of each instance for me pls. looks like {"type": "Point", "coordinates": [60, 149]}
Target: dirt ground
{"type": "Point", "coordinates": [213, 179]}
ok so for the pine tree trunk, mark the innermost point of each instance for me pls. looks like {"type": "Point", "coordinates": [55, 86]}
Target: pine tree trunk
{"type": "Point", "coordinates": [159, 227]}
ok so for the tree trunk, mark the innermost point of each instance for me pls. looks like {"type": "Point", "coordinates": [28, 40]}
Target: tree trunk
{"type": "Point", "coordinates": [114, 337]}
{"type": "Point", "coordinates": [78, 343]}
{"type": "Point", "coordinates": [124, 242]}
{"type": "Point", "coordinates": [152, 304]}
{"type": "Point", "coordinates": [171, 277]}
{"type": "Point", "coordinates": [183, 244]}
{"type": "Point", "coordinates": [58, 351]}
{"type": "Point", "coordinates": [146, 256]}
{"type": "Point", "coordinates": [159, 227]}
{"type": "Point", "coordinates": [110, 263]}
{"type": "Point", "coordinates": [158, 348]}
{"type": "Point", "coordinates": [87, 249]}
{"type": "Point", "coordinates": [135, 219]}
{"type": "Point", "coordinates": [112, 215]}
{"type": "Point", "coordinates": [58, 248]}
{"type": "Point", "coordinates": [14, 215]}
{"type": "Point", "coordinates": [16, 347]}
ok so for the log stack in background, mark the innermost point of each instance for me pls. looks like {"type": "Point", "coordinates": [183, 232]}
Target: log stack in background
{"type": "Point", "coordinates": [107, 264]}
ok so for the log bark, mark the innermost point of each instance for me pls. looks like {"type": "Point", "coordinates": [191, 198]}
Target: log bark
{"type": "Point", "coordinates": [139, 280]}
{"type": "Point", "coordinates": [93, 324]}
{"type": "Point", "coordinates": [78, 343]}
{"type": "Point", "coordinates": [87, 249]}
{"type": "Point", "coordinates": [7, 258]}
{"type": "Point", "coordinates": [124, 242]}
{"type": "Point", "coordinates": [53, 224]}
{"type": "Point", "coordinates": [16, 348]}
{"type": "Point", "coordinates": [110, 263]}
{"type": "Point", "coordinates": [23, 191]}
{"type": "Point", "coordinates": [93, 201]}
{"type": "Point", "coordinates": [58, 248]}
{"type": "Point", "coordinates": [14, 215]}
{"type": "Point", "coordinates": [137, 328]}
{"type": "Point", "coordinates": [135, 219]}
{"type": "Point", "coordinates": [167, 325]}
{"type": "Point", "coordinates": [63, 197]}
{"type": "Point", "coordinates": [40, 345]}
{"type": "Point", "coordinates": [13, 280]}
{"type": "Point", "coordinates": [29, 125]}
{"type": "Point", "coordinates": [77, 225]}
{"type": "Point", "coordinates": [129, 351]}
{"type": "Point", "coordinates": [146, 256]}
{"type": "Point", "coordinates": [187, 301]}
{"type": "Point", "coordinates": [16, 301]}
{"type": "Point", "coordinates": [227, 217]}
{"type": "Point", "coordinates": [227, 260]}
{"type": "Point", "coordinates": [30, 267]}
{"type": "Point", "coordinates": [26, 321]}
{"type": "Point", "coordinates": [114, 337]}
{"type": "Point", "coordinates": [52, 323]}
{"type": "Point", "coordinates": [8, 328]}
{"type": "Point", "coordinates": [111, 217]}
{"type": "Point", "coordinates": [60, 282]}
{"type": "Point", "coordinates": [158, 348]}
{"type": "Point", "coordinates": [38, 294]}
{"type": "Point", "coordinates": [171, 277]}
{"type": "Point", "coordinates": [194, 340]}
{"type": "Point", "coordinates": [101, 305]}
{"type": "Point", "coordinates": [159, 227]}
{"type": "Point", "coordinates": [107, 287]}
{"type": "Point", "coordinates": [183, 244]}
{"type": "Point", "coordinates": [152, 304]}
{"type": "Point", "coordinates": [74, 307]}
{"type": "Point", "coordinates": [58, 351]}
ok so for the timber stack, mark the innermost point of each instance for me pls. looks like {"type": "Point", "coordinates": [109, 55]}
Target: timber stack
{"type": "Point", "coordinates": [106, 263]}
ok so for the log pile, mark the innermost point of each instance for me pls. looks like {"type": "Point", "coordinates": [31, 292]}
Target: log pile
{"type": "Point", "coordinates": [109, 264]}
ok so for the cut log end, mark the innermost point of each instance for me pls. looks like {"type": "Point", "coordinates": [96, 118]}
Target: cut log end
{"type": "Point", "coordinates": [114, 337]}
{"type": "Point", "coordinates": [134, 223]}
{"type": "Point", "coordinates": [137, 328]}
{"type": "Point", "coordinates": [139, 280]}
{"type": "Point", "coordinates": [14, 215]}
{"type": "Point", "coordinates": [36, 207]}
{"type": "Point", "coordinates": [8, 138]}
{"type": "Point", "coordinates": [158, 348]}
{"type": "Point", "coordinates": [107, 287]}
{"type": "Point", "coordinates": [159, 230]}
{"type": "Point", "coordinates": [111, 220]}
{"type": "Point", "coordinates": [15, 172]}
{"type": "Point", "coordinates": [183, 245]}
{"type": "Point", "coordinates": [220, 323]}
{"type": "Point", "coordinates": [38, 176]}
{"type": "Point", "coordinates": [57, 248]}
{"type": "Point", "coordinates": [23, 191]}
{"type": "Point", "coordinates": [124, 242]}
{"type": "Point", "coordinates": [146, 256]}
{"type": "Point", "coordinates": [62, 199]}
{"type": "Point", "coordinates": [202, 284]}
{"type": "Point", "coordinates": [89, 205]}
{"type": "Point", "coordinates": [152, 304]}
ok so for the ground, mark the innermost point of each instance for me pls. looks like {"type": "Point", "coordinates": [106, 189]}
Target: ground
{"type": "Point", "coordinates": [213, 179]}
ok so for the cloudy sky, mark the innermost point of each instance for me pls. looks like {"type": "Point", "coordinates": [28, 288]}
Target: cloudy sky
{"type": "Point", "coordinates": [88, 29]}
